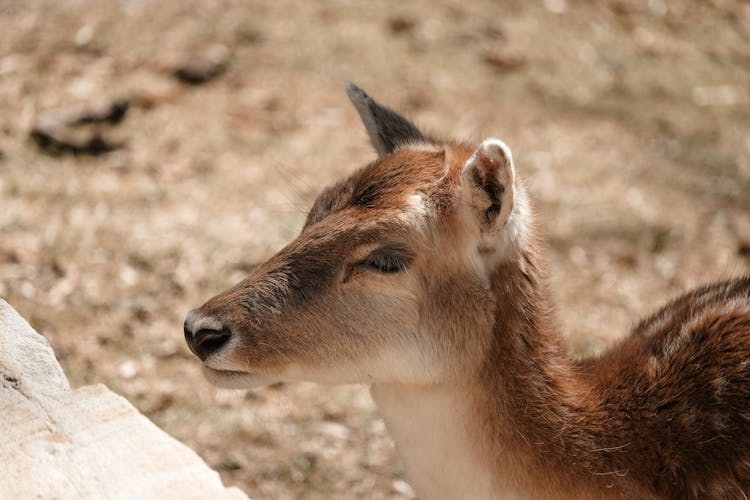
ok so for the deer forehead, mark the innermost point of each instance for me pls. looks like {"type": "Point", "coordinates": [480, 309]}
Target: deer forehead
{"type": "Point", "coordinates": [404, 184]}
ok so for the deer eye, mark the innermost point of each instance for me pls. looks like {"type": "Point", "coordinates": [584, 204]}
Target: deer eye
{"type": "Point", "coordinates": [385, 264]}
{"type": "Point", "coordinates": [388, 260]}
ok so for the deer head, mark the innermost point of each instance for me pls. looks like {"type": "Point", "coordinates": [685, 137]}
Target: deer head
{"type": "Point", "coordinates": [388, 280]}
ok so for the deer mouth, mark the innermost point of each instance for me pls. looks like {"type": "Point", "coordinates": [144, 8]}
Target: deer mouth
{"type": "Point", "coordinates": [235, 379]}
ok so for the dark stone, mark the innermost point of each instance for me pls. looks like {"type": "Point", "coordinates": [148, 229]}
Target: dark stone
{"type": "Point", "coordinates": [84, 130]}
{"type": "Point", "coordinates": [199, 69]}
{"type": "Point", "coordinates": [113, 113]}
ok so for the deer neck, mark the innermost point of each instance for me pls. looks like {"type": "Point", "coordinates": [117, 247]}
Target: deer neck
{"type": "Point", "coordinates": [552, 434]}
{"type": "Point", "coordinates": [431, 428]}
{"type": "Point", "coordinates": [502, 430]}
{"type": "Point", "coordinates": [530, 396]}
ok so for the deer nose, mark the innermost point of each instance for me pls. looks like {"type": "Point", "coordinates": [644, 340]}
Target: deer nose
{"type": "Point", "coordinates": [205, 335]}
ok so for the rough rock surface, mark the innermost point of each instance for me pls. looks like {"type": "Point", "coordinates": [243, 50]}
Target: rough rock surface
{"type": "Point", "coordinates": [85, 443]}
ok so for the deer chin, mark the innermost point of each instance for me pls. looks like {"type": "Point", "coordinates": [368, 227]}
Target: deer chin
{"type": "Point", "coordinates": [234, 379]}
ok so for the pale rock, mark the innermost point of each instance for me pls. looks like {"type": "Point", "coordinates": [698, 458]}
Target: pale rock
{"type": "Point", "coordinates": [83, 443]}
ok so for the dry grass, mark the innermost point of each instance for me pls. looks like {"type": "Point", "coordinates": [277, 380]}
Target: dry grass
{"type": "Point", "coordinates": [631, 121]}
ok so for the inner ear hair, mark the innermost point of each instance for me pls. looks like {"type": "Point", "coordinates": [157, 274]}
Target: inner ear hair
{"type": "Point", "coordinates": [494, 191]}
{"type": "Point", "coordinates": [489, 176]}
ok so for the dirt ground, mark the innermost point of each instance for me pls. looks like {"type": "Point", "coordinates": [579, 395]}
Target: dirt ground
{"type": "Point", "coordinates": [629, 119]}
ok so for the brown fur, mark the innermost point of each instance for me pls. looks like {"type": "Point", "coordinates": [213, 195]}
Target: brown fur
{"type": "Point", "coordinates": [665, 414]}
{"type": "Point", "coordinates": [615, 426]}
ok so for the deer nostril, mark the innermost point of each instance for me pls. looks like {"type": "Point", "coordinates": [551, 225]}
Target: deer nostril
{"type": "Point", "coordinates": [205, 335]}
{"type": "Point", "coordinates": [208, 341]}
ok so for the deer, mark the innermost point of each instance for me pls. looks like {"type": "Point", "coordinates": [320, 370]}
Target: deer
{"type": "Point", "coordinates": [422, 275]}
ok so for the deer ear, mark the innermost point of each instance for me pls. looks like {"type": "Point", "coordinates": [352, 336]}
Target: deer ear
{"type": "Point", "coordinates": [387, 129]}
{"type": "Point", "coordinates": [488, 184]}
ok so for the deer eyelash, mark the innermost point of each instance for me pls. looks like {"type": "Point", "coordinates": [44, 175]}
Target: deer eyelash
{"type": "Point", "coordinates": [385, 264]}
{"type": "Point", "coordinates": [389, 259]}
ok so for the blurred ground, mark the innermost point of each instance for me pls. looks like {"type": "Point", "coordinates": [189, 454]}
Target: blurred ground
{"type": "Point", "coordinates": [630, 120]}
